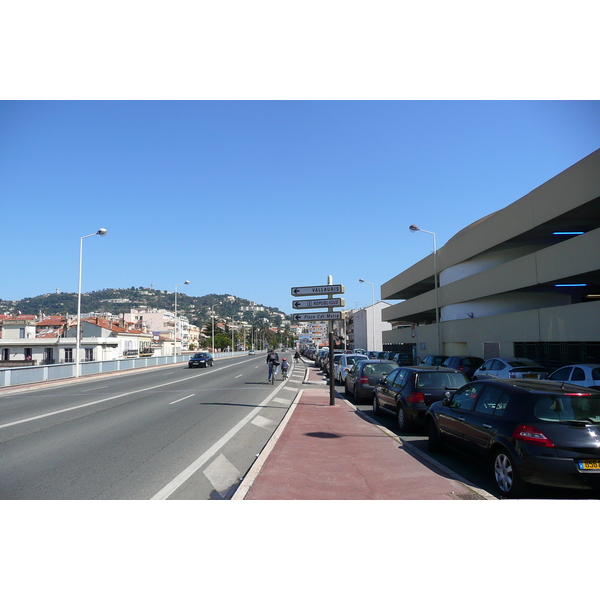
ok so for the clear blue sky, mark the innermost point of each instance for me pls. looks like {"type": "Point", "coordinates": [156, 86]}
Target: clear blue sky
{"type": "Point", "coordinates": [251, 198]}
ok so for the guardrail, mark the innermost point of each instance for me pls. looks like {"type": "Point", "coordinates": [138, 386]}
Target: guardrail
{"type": "Point", "coordinates": [39, 374]}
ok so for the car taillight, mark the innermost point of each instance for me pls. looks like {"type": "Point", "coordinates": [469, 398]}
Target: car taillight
{"type": "Point", "coordinates": [512, 375]}
{"type": "Point", "coordinates": [531, 435]}
{"type": "Point", "coordinates": [363, 380]}
{"type": "Point", "coordinates": [417, 397]}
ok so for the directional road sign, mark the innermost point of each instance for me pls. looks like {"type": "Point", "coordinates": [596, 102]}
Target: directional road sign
{"type": "Point", "coordinates": [317, 289]}
{"type": "Point", "coordinates": [320, 303]}
{"type": "Point", "coordinates": [324, 316]}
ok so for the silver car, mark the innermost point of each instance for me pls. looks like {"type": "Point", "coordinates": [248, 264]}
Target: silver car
{"type": "Point", "coordinates": [584, 375]}
{"type": "Point", "coordinates": [345, 363]}
{"type": "Point", "coordinates": [510, 368]}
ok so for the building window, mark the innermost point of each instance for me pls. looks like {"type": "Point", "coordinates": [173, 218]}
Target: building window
{"type": "Point", "coordinates": [68, 355]}
{"type": "Point", "coordinates": [5, 354]}
{"type": "Point", "coordinates": [89, 354]}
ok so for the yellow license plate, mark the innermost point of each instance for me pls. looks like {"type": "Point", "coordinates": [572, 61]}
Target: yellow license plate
{"type": "Point", "coordinates": [529, 376]}
{"type": "Point", "coordinates": [589, 465]}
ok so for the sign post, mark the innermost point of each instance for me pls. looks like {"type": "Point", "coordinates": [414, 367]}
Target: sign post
{"type": "Point", "coordinates": [330, 316]}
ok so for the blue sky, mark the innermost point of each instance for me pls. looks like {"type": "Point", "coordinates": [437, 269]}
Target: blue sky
{"type": "Point", "coordinates": [251, 198]}
{"type": "Point", "coordinates": [250, 148]}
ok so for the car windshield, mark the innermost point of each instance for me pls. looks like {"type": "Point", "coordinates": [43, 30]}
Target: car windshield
{"type": "Point", "coordinates": [203, 355]}
{"type": "Point", "coordinates": [568, 407]}
{"type": "Point", "coordinates": [439, 380]}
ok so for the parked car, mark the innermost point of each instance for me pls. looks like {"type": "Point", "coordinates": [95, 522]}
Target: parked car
{"type": "Point", "coordinates": [510, 368]}
{"type": "Point", "coordinates": [200, 359]}
{"type": "Point", "coordinates": [345, 364]}
{"type": "Point", "coordinates": [434, 360]}
{"type": "Point", "coordinates": [584, 375]}
{"type": "Point", "coordinates": [465, 364]}
{"type": "Point", "coordinates": [251, 352]}
{"type": "Point", "coordinates": [532, 432]}
{"type": "Point", "coordinates": [327, 358]}
{"type": "Point", "coordinates": [364, 375]}
{"type": "Point", "coordinates": [318, 357]}
{"type": "Point", "coordinates": [408, 391]}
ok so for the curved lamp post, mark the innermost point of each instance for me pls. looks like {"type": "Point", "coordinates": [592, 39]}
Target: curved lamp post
{"type": "Point", "coordinates": [372, 311]}
{"type": "Point", "coordinates": [78, 331]}
{"type": "Point", "coordinates": [414, 228]}
{"type": "Point", "coordinates": [175, 323]}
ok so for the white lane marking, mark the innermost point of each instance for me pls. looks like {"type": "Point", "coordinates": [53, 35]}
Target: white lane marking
{"type": "Point", "coordinates": [263, 422]}
{"type": "Point", "coordinates": [178, 481]}
{"type": "Point", "coordinates": [238, 375]}
{"type": "Point", "coordinates": [282, 401]}
{"type": "Point", "coordinates": [222, 475]}
{"type": "Point", "coordinates": [181, 399]}
{"type": "Point", "coordinates": [64, 410]}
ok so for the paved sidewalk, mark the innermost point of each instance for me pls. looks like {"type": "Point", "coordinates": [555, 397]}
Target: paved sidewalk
{"type": "Point", "coordinates": [325, 452]}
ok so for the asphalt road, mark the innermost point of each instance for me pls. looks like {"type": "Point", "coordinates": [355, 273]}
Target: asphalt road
{"type": "Point", "coordinates": [162, 433]}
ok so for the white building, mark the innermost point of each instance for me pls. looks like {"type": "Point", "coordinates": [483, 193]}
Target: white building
{"type": "Point", "coordinates": [368, 327]}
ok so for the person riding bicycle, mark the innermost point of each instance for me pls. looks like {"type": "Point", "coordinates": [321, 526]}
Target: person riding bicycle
{"type": "Point", "coordinates": [284, 367]}
{"type": "Point", "coordinates": [273, 362]}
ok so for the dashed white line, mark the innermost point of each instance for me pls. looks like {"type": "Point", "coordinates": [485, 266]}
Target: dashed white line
{"type": "Point", "coordinates": [181, 399]}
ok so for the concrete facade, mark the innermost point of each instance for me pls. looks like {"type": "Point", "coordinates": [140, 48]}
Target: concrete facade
{"type": "Point", "coordinates": [523, 281]}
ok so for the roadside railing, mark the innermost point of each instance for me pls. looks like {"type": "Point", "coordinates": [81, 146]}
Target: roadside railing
{"type": "Point", "coordinates": [38, 374]}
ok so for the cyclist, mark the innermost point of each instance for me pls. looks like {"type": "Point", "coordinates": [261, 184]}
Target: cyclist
{"type": "Point", "coordinates": [284, 367]}
{"type": "Point", "coordinates": [273, 362]}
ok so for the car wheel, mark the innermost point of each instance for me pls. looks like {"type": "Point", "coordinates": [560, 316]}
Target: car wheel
{"type": "Point", "coordinates": [402, 418]}
{"type": "Point", "coordinates": [434, 442]}
{"type": "Point", "coordinates": [505, 475]}
{"type": "Point", "coordinates": [376, 409]}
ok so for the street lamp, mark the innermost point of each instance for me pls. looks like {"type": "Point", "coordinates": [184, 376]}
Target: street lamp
{"type": "Point", "coordinates": [414, 228]}
{"type": "Point", "coordinates": [175, 323]}
{"type": "Point", "coordinates": [372, 310]}
{"type": "Point", "coordinates": [78, 333]}
{"type": "Point", "coordinates": [212, 312]}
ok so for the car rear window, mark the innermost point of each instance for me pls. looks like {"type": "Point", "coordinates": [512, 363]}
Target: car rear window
{"type": "Point", "coordinates": [568, 407]}
{"type": "Point", "coordinates": [378, 369]}
{"type": "Point", "coordinates": [439, 380]}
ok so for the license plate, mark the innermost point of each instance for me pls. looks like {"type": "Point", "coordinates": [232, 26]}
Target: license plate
{"type": "Point", "coordinates": [589, 465]}
{"type": "Point", "coordinates": [530, 376]}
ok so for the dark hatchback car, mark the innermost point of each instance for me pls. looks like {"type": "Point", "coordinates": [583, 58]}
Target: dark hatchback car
{"type": "Point", "coordinates": [465, 364]}
{"type": "Point", "coordinates": [408, 391]}
{"type": "Point", "coordinates": [200, 359]}
{"type": "Point", "coordinates": [531, 432]}
{"type": "Point", "coordinates": [365, 374]}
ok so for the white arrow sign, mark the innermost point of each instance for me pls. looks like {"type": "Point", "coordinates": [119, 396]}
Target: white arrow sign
{"type": "Point", "coordinates": [326, 316]}
{"type": "Point", "coordinates": [322, 303]}
{"type": "Point", "coordinates": [317, 289]}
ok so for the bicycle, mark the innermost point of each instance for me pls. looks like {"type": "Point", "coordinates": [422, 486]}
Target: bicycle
{"type": "Point", "coordinates": [272, 372]}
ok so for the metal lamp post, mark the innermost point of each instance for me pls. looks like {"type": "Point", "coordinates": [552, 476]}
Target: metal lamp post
{"type": "Point", "coordinates": [212, 314]}
{"type": "Point", "coordinates": [372, 311]}
{"type": "Point", "coordinates": [175, 322]}
{"type": "Point", "coordinates": [414, 228]}
{"type": "Point", "coordinates": [78, 332]}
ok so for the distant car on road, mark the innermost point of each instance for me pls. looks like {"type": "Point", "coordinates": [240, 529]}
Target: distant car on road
{"type": "Point", "coordinates": [364, 375]}
{"type": "Point", "coordinates": [200, 359]}
{"type": "Point", "coordinates": [510, 368]}
{"type": "Point", "coordinates": [528, 432]}
{"type": "Point", "coordinates": [584, 375]}
{"type": "Point", "coordinates": [251, 352]}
